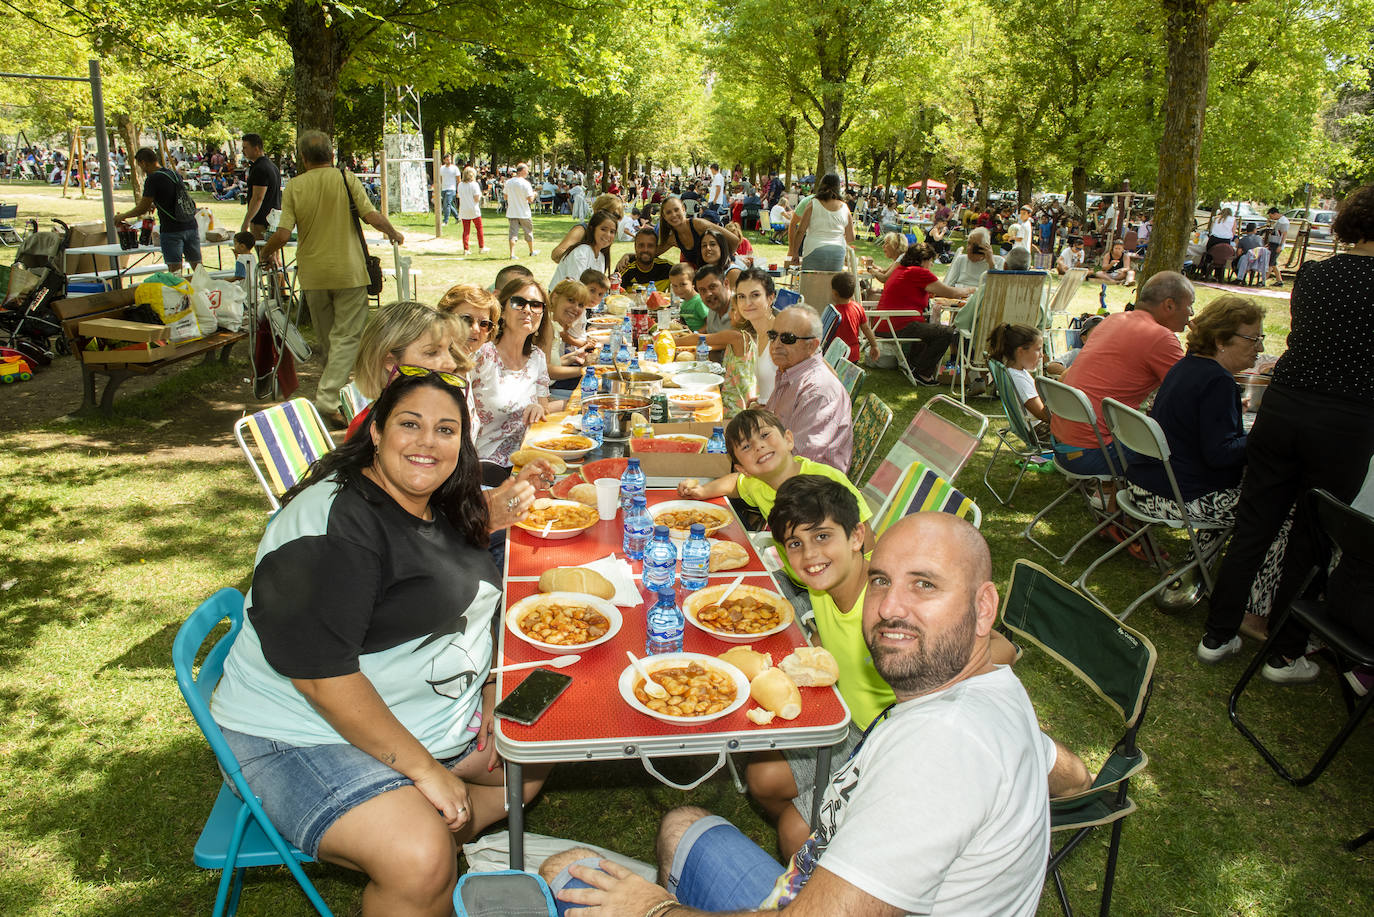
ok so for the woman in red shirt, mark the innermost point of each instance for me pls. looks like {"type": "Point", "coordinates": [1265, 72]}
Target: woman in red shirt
{"type": "Point", "coordinates": [908, 289]}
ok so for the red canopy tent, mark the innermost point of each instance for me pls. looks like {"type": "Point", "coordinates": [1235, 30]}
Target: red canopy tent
{"type": "Point", "coordinates": [931, 185]}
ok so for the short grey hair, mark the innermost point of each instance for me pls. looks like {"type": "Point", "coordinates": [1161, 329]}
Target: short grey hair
{"type": "Point", "coordinates": [1165, 285]}
{"type": "Point", "coordinates": [812, 317]}
{"type": "Point", "coordinates": [1018, 259]}
{"type": "Point", "coordinates": [316, 148]}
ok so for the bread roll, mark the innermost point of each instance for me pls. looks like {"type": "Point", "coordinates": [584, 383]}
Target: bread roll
{"type": "Point", "coordinates": [748, 661]}
{"type": "Point", "coordinates": [583, 493]}
{"type": "Point", "coordinates": [775, 691]}
{"type": "Point", "coordinates": [576, 579]}
{"type": "Point", "coordinates": [760, 716]}
{"type": "Point", "coordinates": [727, 555]}
{"type": "Point", "coordinates": [522, 457]}
{"type": "Point", "coordinates": [811, 667]}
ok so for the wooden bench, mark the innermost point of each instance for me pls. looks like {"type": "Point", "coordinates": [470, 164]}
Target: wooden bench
{"type": "Point", "coordinates": [121, 365]}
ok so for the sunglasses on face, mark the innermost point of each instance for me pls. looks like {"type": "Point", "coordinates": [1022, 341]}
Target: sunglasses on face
{"type": "Point", "coordinates": [526, 305]}
{"type": "Point", "coordinates": [446, 378]}
{"type": "Point", "coordinates": [485, 324]}
{"type": "Point", "coordinates": [788, 338]}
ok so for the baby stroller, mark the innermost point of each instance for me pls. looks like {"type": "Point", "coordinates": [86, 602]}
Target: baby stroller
{"type": "Point", "coordinates": [37, 280]}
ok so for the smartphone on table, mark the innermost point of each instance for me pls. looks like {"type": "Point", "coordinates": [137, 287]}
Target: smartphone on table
{"type": "Point", "coordinates": [533, 696]}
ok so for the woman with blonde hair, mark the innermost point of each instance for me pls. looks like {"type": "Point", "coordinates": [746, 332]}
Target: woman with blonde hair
{"type": "Point", "coordinates": [405, 333]}
{"type": "Point", "coordinates": [470, 208]}
{"type": "Point", "coordinates": [611, 203]}
{"type": "Point", "coordinates": [475, 307]}
{"type": "Point", "coordinates": [977, 258]}
{"type": "Point", "coordinates": [894, 245]}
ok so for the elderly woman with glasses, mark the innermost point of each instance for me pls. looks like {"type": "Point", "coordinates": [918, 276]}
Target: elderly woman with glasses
{"type": "Point", "coordinates": [477, 309]}
{"type": "Point", "coordinates": [510, 381]}
{"type": "Point", "coordinates": [357, 697]}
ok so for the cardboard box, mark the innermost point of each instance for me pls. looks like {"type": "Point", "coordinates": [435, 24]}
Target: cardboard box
{"type": "Point", "coordinates": [677, 465]}
{"type": "Point", "coordinates": [91, 232]}
{"type": "Point", "coordinates": [117, 329]}
{"type": "Point", "coordinates": [147, 352]}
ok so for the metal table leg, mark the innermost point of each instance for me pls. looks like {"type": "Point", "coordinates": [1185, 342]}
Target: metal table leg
{"type": "Point", "coordinates": [822, 781]}
{"type": "Point", "coordinates": [515, 816]}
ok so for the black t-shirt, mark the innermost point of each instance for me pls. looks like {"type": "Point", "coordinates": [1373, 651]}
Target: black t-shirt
{"type": "Point", "coordinates": [162, 186]}
{"type": "Point", "coordinates": [656, 276]}
{"type": "Point", "coordinates": [263, 174]}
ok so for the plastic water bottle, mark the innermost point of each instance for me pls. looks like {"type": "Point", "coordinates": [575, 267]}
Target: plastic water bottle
{"type": "Point", "coordinates": [696, 559]}
{"type": "Point", "coordinates": [665, 625]}
{"type": "Point", "coordinates": [716, 444]}
{"type": "Point", "coordinates": [650, 355]}
{"type": "Point", "coordinates": [593, 427]}
{"type": "Point", "coordinates": [634, 362]}
{"type": "Point", "coordinates": [703, 349]}
{"type": "Point", "coordinates": [638, 527]}
{"type": "Point", "coordinates": [660, 562]}
{"type": "Point", "coordinates": [631, 485]}
{"type": "Point", "coordinates": [1102, 300]}
{"type": "Point", "coordinates": [589, 384]}
{"type": "Point", "coordinates": [604, 358]}
{"type": "Point", "coordinates": [614, 340]}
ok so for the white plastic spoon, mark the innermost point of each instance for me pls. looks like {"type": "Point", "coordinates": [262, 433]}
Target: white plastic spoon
{"type": "Point", "coordinates": [651, 687]}
{"type": "Point", "coordinates": [557, 662]}
{"type": "Point", "coordinates": [729, 589]}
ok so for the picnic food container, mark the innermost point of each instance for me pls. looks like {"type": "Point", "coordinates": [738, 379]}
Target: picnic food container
{"type": "Point", "coordinates": [711, 594]}
{"type": "Point", "coordinates": [526, 605]}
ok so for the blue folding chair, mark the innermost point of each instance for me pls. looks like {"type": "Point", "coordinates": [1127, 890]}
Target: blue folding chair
{"type": "Point", "coordinates": [503, 893]}
{"type": "Point", "coordinates": [238, 833]}
{"type": "Point", "coordinates": [830, 320]}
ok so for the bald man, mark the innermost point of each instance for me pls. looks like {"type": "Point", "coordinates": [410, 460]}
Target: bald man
{"type": "Point", "coordinates": [943, 807]}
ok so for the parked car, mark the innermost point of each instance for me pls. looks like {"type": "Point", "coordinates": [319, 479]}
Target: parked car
{"type": "Point", "coordinates": [1320, 219]}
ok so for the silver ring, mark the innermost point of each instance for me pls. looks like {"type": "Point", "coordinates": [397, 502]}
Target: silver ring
{"type": "Point", "coordinates": [462, 809]}
{"type": "Point", "coordinates": [512, 503]}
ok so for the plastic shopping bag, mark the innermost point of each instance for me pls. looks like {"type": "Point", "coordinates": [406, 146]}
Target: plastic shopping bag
{"type": "Point", "coordinates": [169, 296]}
{"type": "Point", "coordinates": [225, 299]}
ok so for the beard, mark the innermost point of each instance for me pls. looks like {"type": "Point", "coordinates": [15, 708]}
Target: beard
{"type": "Point", "coordinates": [929, 663]}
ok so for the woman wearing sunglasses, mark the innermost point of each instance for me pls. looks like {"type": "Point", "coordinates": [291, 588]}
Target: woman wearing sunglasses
{"type": "Point", "coordinates": [479, 311]}
{"type": "Point", "coordinates": [357, 696]}
{"type": "Point", "coordinates": [510, 381]}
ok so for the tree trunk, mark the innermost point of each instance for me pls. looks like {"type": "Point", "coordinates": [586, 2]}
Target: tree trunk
{"type": "Point", "coordinates": [1080, 188]}
{"type": "Point", "coordinates": [128, 132]}
{"type": "Point", "coordinates": [1180, 146]}
{"type": "Point", "coordinates": [926, 161]}
{"type": "Point", "coordinates": [984, 179]}
{"type": "Point", "coordinates": [318, 54]}
{"type": "Point", "coordinates": [789, 147]}
{"type": "Point", "coordinates": [832, 107]}
{"type": "Point", "coordinates": [1023, 182]}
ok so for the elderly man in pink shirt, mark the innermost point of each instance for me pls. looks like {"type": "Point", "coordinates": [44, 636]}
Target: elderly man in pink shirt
{"type": "Point", "coordinates": [808, 395]}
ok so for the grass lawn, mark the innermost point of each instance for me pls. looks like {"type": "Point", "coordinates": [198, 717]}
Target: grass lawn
{"type": "Point", "coordinates": [115, 529]}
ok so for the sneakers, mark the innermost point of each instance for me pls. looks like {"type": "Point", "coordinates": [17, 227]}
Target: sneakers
{"type": "Point", "coordinates": [1299, 671]}
{"type": "Point", "coordinates": [484, 251]}
{"type": "Point", "coordinates": [1212, 651]}
{"type": "Point", "coordinates": [1360, 680]}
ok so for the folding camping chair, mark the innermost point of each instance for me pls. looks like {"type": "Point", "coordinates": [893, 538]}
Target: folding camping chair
{"type": "Point", "coordinates": [237, 833]}
{"type": "Point", "coordinates": [932, 439]}
{"type": "Point", "coordinates": [1068, 403]}
{"type": "Point", "coordinates": [1030, 452]}
{"type": "Point", "coordinates": [871, 419]}
{"type": "Point", "coordinates": [1347, 530]}
{"type": "Point", "coordinates": [1017, 297]}
{"type": "Point", "coordinates": [1064, 293]}
{"type": "Point", "coordinates": [830, 320]}
{"type": "Point", "coordinates": [838, 350]}
{"type": "Point", "coordinates": [851, 375]}
{"type": "Point", "coordinates": [922, 490]}
{"type": "Point", "coordinates": [8, 234]}
{"type": "Point", "coordinates": [352, 401]}
{"type": "Point", "coordinates": [289, 438]}
{"type": "Point", "coordinates": [1117, 663]}
{"type": "Point", "coordinates": [1134, 430]}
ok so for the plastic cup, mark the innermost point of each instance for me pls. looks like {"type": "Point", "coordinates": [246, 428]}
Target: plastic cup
{"type": "Point", "coordinates": [607, 497]}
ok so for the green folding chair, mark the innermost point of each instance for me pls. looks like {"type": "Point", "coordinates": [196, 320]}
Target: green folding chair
{"type": "Point", "coordinates": [851, 375]}
{"type": "Point", "coordinates": [1017, 437]}
{"type": "Point", "coordinates": [871, 419]}
{"type": "Point", "coordinates": [922, 490]}
{"type": "Point", "coordinates": [1118, 664]}
{"type": "Point", "coordinates": [837, 351]}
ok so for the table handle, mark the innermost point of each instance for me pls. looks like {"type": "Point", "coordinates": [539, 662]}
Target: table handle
{"type": "Point", "coordinates": [648, 766]}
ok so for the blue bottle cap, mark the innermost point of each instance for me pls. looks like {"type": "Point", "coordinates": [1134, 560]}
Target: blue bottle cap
{"type": "Point", "coordinates": [698, 529]}
{"type": "Point", "coordinates": [661, 531]}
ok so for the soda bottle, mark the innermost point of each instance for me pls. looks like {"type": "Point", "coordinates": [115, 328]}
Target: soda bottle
{"type": "Point", "coordinates": [593, 427]}
{"type": "Point", "coordinates": [638, 528]}
{"type": "Point", "coordinates": [660, 562]}
{"type": "Point", "coordinates": [716, 444]}
{"type": "Point", "coordinates": [696, 559]}
{"type": "Point", "coordinates": [665, 625]}
{"type": "Point", "coordinates": [631, 484]}
{"type": "Point", "coordinates": [589, 384]}
{"type": "Point", "coordinates": [703, 349]}
{"type": "Point", "coordinates": [145, 232]}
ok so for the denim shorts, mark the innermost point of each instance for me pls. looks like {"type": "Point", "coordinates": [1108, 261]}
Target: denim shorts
{"type": "Point", "coordinates": [181, 242]}
{"type": "Point", "coordinates": [305, 789]}
{"type": "Point", "coordinates": [716, 868]}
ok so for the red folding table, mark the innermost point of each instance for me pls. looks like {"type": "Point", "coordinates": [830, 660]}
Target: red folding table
{"type": "Point", "coordinates": [591, 722]}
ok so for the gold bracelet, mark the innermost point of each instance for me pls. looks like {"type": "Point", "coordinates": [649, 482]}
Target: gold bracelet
{"type": "Point", "coordinates": [661, 907]}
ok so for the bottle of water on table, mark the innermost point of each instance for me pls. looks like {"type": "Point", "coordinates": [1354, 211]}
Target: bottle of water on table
{"type": "Point", "coordinates": [589, 384]}
{"type": "Point", "coordinates": [665, 625]}
{"type": "Point", "coordinates": [593, 427]}
{"type": "Point", "coordinates": [622, 353]}
{"type": "Point", "coordinates": [631, 484]}
{"type": "Point", "coordinates": [606, 356]}
{"type": "Point", "coordinates": [639, 527]}
{"type": "Point", "coordinates": [703, 349]}
{"type": "Point", "coordinates": [716, 444]}
{"type": "Point", "coordinates": [696, 559]}
{"type": "Point", "coordinates": [650, 355]}
{"type": "Point", "coordinates": [660, 562]}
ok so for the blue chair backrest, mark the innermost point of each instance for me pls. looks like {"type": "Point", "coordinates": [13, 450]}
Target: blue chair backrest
{"type": "Point", "coordinates": [786, 298]}
{"type": "Point", "coordinates": [830, 318]}
{"type": "Point", "coordinates": [197, 689]}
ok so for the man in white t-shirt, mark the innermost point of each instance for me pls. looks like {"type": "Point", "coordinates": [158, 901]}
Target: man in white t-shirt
{"type": "Point", "coordinates": [715, 198]}
{"type": "Point", "coordinates": [942, 809]}
{"type": "Point", "coordinates": [1071, 257]}
{"type": "Point", "coordinates": [778, 218]}
{"type": "Point", "coordinates": [448, 188]}
{"type": "Point", "coordinates": [519, 196]}
{"type": "Point", "coordinates": [1023, 226]}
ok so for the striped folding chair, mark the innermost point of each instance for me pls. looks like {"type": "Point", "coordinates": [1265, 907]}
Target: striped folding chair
{"type": "Point", "coordinates": [352, 401]}
{"type": "Point", "coordinates": [288, 438]}
{"type": "Point", "coordinates": [830, 320]}
{"type": "Point", "coordinates": [922, 490]}
{"type": "Point", "coordinates": [943, 444]}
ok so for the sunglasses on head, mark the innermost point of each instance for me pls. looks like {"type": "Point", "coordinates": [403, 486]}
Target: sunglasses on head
{"type": "Point", "coordinates": [788, 338]}
{"type": "Point", "coordinates": [485, 324]}
{"type": "Point", "coordinates": [526, 305]}
{"type": "Point", "coordinates": [447, 378]}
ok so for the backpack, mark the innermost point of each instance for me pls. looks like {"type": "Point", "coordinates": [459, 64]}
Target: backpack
{"type": "Point", "coordinates": [184, 210]}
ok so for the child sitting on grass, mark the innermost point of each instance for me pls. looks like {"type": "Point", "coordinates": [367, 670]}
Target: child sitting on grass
{"type": "Point", "coordinates": [693, 310]}
{"type": "Point", "coordinates": [853, 319]}
{"type": "Point", "coordinates": [760, 448]}
{"type": "Point", "coordinates": [817, 522]}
